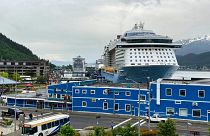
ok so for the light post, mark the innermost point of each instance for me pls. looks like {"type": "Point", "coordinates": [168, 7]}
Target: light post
{"type": "Point", "coordinates": [139, 100]}
{"type": "Point", "coordinates": [139, 111]}
{"type": "Point", "coordinates": [149, 99]}
{"type": "Point", "coordinates": [188, 125]}
{"type": "Point", "coordinates": [15, 101]}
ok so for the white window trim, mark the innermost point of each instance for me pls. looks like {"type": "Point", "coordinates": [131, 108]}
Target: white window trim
{"type": "Point", "coordinates": [107, 106]}
{"type": "Point", "coordinates": [185, 92]}
{"type": "Point", "coordinates": [196, 116]}
{"type": "Point", "coordinates": [166, 91]}
{"type": "Point", "coordinates": [84, 102]}
{"type": "Point", "coordinates": [198, 93]}
{"type": "Point", "coordinates": [125, 107]}
{"type": "Point", "coordinates": [178, 101]}
{"type": "Point", "coordinates": [171, 108]}
{"type": "Point", "coordinates": [77, 91]}
{"type": "Point", "coordinates": [183, 109]}
{"type": "Point", "coordinates": [118, 106]}
{"type": "Point", "coordinates": [84, 91]}
{"type": "Point", "coordinates": [116, 93]}
{"type": "Point", "coordinates": [92, 92]}
{"type": "Point", "coordinates": [127, 92]}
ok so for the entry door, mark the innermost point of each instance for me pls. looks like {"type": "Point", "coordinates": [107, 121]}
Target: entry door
{"type": "Point", "coordinates": [208, 115]}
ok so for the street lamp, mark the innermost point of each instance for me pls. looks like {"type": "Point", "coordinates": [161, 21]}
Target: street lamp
{"type": "Point", "coordinates": [138, 104]}
{"type": "Point", "coordinates": [149, 99]}
{"type": "Point", "coordinates": [15, 102]}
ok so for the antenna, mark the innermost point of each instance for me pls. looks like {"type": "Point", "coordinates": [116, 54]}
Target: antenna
{"type": "Point", "coordinates": [141, 25]}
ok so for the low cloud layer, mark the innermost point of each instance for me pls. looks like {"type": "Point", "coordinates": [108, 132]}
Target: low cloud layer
{"type": "Point", "coordinates": [62, 29]}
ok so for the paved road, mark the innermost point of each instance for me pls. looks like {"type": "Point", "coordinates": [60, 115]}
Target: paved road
{"type": "Point", "coordinates": [82, 120]}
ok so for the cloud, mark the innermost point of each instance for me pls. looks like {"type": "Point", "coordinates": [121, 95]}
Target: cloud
{"type": "Point", "coordinates": [63, 29]}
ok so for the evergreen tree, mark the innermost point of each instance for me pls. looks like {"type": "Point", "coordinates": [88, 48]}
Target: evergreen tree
{"type": "Point", "coordinates": [167, 128]}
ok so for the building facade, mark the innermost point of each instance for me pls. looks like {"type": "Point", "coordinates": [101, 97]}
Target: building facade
{"type": "Point", "coordinates": [177, 100]}
{"type": "Point", "coordinates": [112, 100]}
{"type": "Point", "coordinates": [79, 67]}
{"type": "Point", "coordinates": [32, 68]}
{"type": "Point", "coordinates": [181, 100]}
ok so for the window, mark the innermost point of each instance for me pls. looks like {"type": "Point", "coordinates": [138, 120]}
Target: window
{"type": "Point", "coordinates": [105, 91]}
{"type": "Point", "coordinates": [44, 126]}
{"type": "Point", "coordinates": [50, 95]}
{"type": "Point", "coordinates": [93, 99]}
{"type": "Point", "coordinates": [168, 91]}
{"type": "Point", "coordinates": [183, 112]}
{"type": "Point", "coordinates": [92, 91]}
{"type": "Point", "coordinates": [84, 104]}
{"type": "Point", "coordinates": [127, 107]}
{"type": "Point", "coordinates": [53, 124]}
{"type": "Point", "coordinates": [196, 113]}
{"type": "Point", "coordinates": [116, 93]}
{"type": "Point", "coordinates": [127, 93]}
{"type": "Point", "coordinates": [105, 106]}
{"type": "Point", "coordinates": [116, 106]}
{"type": "Point", "coordinates": [201, 93]}
{"type": "Point", "coordinates": [57, 123]}
{"type": "Point", "coordinates": [84, 91]}
{"type": "Point", "coordinates": [178, 102]}
{"type": "Point", "coordinates": [29, 102]}
{"type": "Point", "coordinates": [169, 111]}
{"type": "Point", "coordinates": [142, 98]}
{"type": "Point", "coordinates": [58, 96]}
{"type": "Point", "coordinates": [49, 125]}
{"type": "Point", "coordinates": [76, 91]}
{"type": "Point", "coordinates": [182, 92]}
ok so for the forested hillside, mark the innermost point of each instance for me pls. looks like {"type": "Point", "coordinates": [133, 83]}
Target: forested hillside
{"type": "Point", "coordinates": [10, 50]}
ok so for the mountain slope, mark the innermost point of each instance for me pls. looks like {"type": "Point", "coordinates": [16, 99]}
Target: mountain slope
{"type": "Point", "coordinates": [201, 59]}
{"type": "Point", "coordinates": [195, 45]}
{"type": "Point", "coordinates": [10, 50]}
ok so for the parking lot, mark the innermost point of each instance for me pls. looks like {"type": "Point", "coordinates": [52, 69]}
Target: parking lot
{"type": "Point", "coordinates": [82, 120]}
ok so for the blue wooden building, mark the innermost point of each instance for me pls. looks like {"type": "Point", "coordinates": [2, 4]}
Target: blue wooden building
{"type": "Point", "coordinates": [175, 99]}
{"type": "Point", "coordinates": [112, 100]}
{"type": "Point", "coordinates": [181, 100]}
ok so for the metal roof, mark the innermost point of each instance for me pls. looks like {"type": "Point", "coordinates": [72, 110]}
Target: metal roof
{"type": "Point", "coordinates": [6, 81]}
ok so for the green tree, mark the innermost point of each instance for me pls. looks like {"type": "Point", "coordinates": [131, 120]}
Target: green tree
{"type": "Point", "coordinates": [41, 79]}
{"type": "Point", "coordinates": [98, 131]}
{"type": "Point", "coordinates": [67, 130]}
{"type": "Point", "coordinates": [167, 128]}
{"type": "Point", "coordinates": [126, 131]}
{"type": "Point", "coordinates": [4, 74]}
{"type": "Point", "coordinates": [16, 76]}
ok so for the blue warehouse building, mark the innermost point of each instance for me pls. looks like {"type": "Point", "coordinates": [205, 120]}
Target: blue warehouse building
{"type": "Point", "coordinates": [187, 100]}
{"type": "Point", "coordinates": [112, 100]}
{"type": "Point", "coordinates": [181, 100]}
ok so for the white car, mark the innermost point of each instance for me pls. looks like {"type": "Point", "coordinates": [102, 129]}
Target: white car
{"type": "Point", "coordinates": [156, 118]}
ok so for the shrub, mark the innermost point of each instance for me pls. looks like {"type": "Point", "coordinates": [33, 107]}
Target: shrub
{"type": "Point", "coordinates": [67, 130]}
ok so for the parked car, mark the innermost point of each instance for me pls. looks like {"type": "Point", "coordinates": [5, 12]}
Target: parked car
{"type": "Point", "coordinates": [157, 118]}
{"type": "Point", "coordinates": [11, 112]}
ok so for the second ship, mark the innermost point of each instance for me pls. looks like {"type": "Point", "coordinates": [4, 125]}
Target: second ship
{"type": "Point", "coordinates": [139, 54]}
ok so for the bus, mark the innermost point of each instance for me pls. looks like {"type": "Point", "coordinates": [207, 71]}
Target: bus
{"type": "Point", "coordinates": [45, 126]}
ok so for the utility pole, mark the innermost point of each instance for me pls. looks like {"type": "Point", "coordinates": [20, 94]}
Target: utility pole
{"type": "Point", "coordinates": [149, 99]}
{"type": "Point", "coordinates": [139, 111]}
{"type": "Point", "coordinates": [15, 102]}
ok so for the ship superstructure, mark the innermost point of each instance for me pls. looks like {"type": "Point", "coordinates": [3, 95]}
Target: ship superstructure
{"type": "Point", "coordinates": [138, 54]}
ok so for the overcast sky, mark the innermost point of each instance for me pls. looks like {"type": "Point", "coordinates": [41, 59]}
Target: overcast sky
{"type": "Point", "coordinates": [62, 29]}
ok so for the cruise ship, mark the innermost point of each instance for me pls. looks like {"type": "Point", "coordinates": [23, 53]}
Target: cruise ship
{"type": "Point", "coordinates": [139, 54]}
